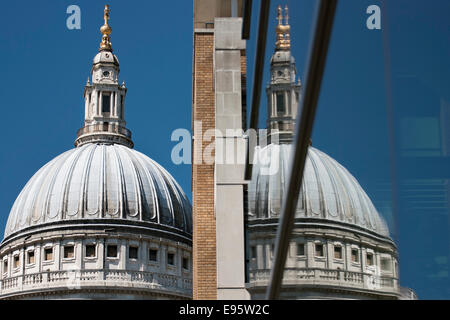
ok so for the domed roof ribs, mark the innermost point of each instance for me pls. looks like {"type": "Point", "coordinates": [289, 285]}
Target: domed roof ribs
{"type": "Point", "coordinates": [131, 183]}
{"type": "Point", "coordinates": [47, 212]}
{"type": "Point", "coordinates": [66, 188]}
{"type": "Point", "coordinates": [43, 187]}
{"type": "Point", "coordinates": [148, 174]}
{"type": "Point", "coordinates": [155, 190]}
{"type": "Point", "coordinates": [332, 175]}
{"type": "Point", "coordinates": [164, 187]}
{"type": "Point", "coordinates": [365, 212]}
{"type": "Point", "coordinates": [123, 199]}
{"type": "Point", "coordinates": [34, 189]}
{"type": "Point", "coordinates": [83, 199]}
{"type": "Point", "coordinates": [138, 184]}
{"type": "Point", "coordinates": [173, 193]}
{"type": "Point", "coordinates": [323, 208]}
{"type": "Point", "coordinates": [22, 199]}
{"type": "Point", "coordinates": [103, 192]}
{"type": "Point", "coordinates": [303, 198]}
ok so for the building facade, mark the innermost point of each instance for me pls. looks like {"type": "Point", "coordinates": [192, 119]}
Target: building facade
{"type": "Point", "coordinates": [100, 221]}
{"type": "Point", "coordinates": [341, 247]}
{"type": "Point", "coordinates": [104, 221]}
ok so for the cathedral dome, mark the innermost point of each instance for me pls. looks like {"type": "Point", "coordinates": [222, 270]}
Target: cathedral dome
{"type": "Point", "coordinates": [329, 193]}
{"type": "Point", "coordinates": [99, 182]}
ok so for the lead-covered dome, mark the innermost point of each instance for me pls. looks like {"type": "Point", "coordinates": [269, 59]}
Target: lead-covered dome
{"type": "Point", "coordinates": [105, 57]}
{"type": "Point", "coordinates": [328, 191]}
{"type": "Point", "coordinates": [101, 181]}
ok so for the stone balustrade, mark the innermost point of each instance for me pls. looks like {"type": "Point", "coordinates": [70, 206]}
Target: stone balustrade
{"type": "Point", "coordinates": [327, 277]}
{"type": "Point", "coordinates": [76, 279]}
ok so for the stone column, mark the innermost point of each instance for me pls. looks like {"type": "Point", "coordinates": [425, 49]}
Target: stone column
{"type": "Point", "coordinates": [348, 256]}
{"type": "Point", "coordinates": [330, 254]}
{"type": "Point", "coordinates": [309, 247]}
{"type": "Point", "coordinates": [100, 103]}
{"type": "Point", "coordinates": [123, 257]}
{"type": "Point", "coordinates": [101, 255]}
{"type": "Point", "coordinates": [163, 258]}
{"type": "Point", "coordinates": [38, 257]}
{"type": "Point", "coordinates": [229, 159]}
{"type": "Point", "coordinates": [143, 255]}
{"type": "Point", "coordinates": [57, 251]}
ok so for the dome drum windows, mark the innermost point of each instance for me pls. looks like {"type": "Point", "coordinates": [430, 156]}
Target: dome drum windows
{"type": "Point", "coordinates": [48, 254]}
{"type": "Point", "coordinates": [153, 255]}
{"type": "Point", "coordinates": [319, 250]}
{"type": "Point", "coordinates": [133, 253]}
{"type": "Point", "coordinates": [338, 252]}
{"type": "Point", "coordinates": [69, 252]}
{"type": "Point", "coordinates": [355, 255]}
{"type": "Point", "coordinates": [30, 257]}
{"type": "Point", "coordinates": [171, 259]}
{"type": "Point", "coordinates": [111, 251]}
{"type": "Point", "coordinates": [16, 261]}
{"type": "Point", "coordinates": [90, 251]}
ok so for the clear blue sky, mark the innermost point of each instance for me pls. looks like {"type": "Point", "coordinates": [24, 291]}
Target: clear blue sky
{"type": "Point", "coordinates": [44, 67]}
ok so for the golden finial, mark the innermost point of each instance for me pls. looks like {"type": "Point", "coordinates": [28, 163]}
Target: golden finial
{"type": "Point", "coordinates": [283, 30]}
{"type": "Point", "coordinates": [286, 18]}
{"type": "Point", "coordinates": [106, 31]}
{"type": "Point", "coordinates": [280, 16]}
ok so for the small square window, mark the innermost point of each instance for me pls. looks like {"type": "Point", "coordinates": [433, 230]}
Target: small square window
{"type": "Point", "coordinates": [16, 261]}
{"type": "Point", "coordinates": [90, 251]}
{"type": "Point", "coordinates": [133, 253]}
{"type": "Point", "coordinates": [300, 249]}
{"type": "Point", "coordinates": [186, 263]}
{"type": "Point", "coordinates": [5, 266]}
{"type": "Point", "coordinates": [355, 255]}
{"type": "Point", "coordinates": [171, 259]}
{"type": "Point", "coordinates": [153, 255]}
{"type": "Point", "coordinates": [319, 250]}
{"type": "Point", "coordinates": [369, 259]}
{"type": "Point", "coordinates": [30, 257]}
{"type": "Point", "coordinates": [69, 252]}
{"type": "Point", "coordinates": [48, 254]}
{"type": "Point", "coordinates": [111, 251]}
{"type": "Point", "coordinates": [337, 252]}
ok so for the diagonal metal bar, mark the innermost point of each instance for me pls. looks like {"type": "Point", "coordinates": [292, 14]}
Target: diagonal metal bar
{"type": "Point", "coordinates": [305, 119]}
{"type": "Point", "coordinates": [258, 75]}
{"type": "Point", "coordinates": [247, 13]}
